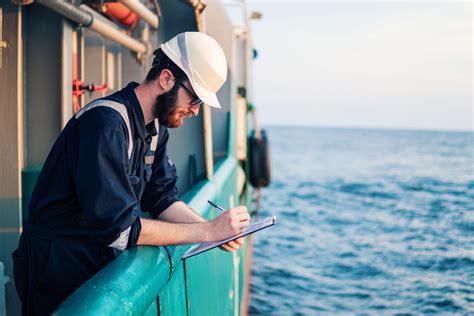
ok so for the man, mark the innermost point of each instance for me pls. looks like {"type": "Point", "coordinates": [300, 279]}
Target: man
{"type": "Point", "coordinates": [110, 159]}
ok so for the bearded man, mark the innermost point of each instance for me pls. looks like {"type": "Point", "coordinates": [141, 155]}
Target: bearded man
{"type": "Point", "coordinates": [111, 159]}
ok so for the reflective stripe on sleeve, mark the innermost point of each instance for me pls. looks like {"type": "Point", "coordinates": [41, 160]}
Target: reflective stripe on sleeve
{"type": "Point", "coordinates": [122, 242]}
{"type": "Point", "coordinates": [154, 139]}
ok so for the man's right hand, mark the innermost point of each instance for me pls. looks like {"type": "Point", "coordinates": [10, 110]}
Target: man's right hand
{"type": "Point", "coordinates": [230, 223]}
{"type": "Point", "coordinates": [162, 233]}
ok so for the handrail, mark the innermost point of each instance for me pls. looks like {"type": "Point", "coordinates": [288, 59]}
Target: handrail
{"type": "Point", "coordinates": [131, 283]}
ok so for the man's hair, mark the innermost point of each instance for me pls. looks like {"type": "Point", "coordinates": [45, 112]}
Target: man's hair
{"type": "Point", "coordinates": [160, 62]}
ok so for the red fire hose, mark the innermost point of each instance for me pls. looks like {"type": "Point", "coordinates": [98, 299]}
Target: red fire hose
{"type": "Point", "coordinates": [121, 13]}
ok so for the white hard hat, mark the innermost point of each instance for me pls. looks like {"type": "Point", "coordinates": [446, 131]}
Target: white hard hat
{"type": "Point", "coordinates": [202, 60]}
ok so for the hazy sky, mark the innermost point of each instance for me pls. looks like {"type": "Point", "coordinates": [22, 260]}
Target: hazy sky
{"type": "Point", "coordinates": [399, 64]}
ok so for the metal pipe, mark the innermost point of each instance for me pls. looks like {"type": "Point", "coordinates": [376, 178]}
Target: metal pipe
{"type": "Point", "coordinates": [103, 27]}
{"type": "Point", "coordinates": [92, 20]}
{"type": "Point", "coordinates": [206, 113]}
{"type": "Point", "coordinates": [95, 15]}
{"type": "Point", "coordinates": [142, 11]}
{"type": "Point", "coordinates": [69, 10]}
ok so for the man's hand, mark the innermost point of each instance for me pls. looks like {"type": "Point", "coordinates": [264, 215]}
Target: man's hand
{"type": "Point", "coordinates": [230, 223]}
{"type": "Point", "coordinates": [232, 245]}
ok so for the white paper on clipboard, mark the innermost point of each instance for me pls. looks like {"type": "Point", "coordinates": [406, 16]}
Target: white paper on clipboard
{"type": "Point", "coordinates": [267, 222]}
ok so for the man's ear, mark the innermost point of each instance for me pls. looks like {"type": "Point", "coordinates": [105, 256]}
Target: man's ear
{"type": "Point", "coordinates": [166, 80]}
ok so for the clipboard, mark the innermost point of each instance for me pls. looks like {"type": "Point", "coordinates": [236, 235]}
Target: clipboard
{"type": "Point", "coordinates": [255, 227]}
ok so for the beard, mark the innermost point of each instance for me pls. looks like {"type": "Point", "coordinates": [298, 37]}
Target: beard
{"type": "Point", "coordinates": [165, 108]}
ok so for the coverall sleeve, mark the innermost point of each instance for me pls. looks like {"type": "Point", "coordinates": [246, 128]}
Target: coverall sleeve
{"type": "Point", "coordinates": [161, 191]}
{"type": "Point", "coordinates": [101, 177]}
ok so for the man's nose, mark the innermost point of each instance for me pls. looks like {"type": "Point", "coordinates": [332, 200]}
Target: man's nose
{"type": "Point", "coordinates": [194, 109]}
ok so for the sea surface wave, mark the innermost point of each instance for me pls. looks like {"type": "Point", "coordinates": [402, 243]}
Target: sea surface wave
{"type": "Point", "coordinates": [370, 222]}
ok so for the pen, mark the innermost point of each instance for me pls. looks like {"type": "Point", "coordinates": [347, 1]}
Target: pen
{"type": "Point", "coordinates": [217, 206]}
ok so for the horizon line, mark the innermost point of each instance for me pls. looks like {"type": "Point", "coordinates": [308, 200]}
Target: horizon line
{"type": "Point", "coordinates": [413, 129]}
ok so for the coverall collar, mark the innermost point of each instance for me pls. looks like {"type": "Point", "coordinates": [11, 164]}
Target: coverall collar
{"type": "Point", "coordinates": [140, 129]}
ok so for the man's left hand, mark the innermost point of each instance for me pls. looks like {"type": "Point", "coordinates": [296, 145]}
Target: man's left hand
{"type": "Point", "coordinates": [232, 245]}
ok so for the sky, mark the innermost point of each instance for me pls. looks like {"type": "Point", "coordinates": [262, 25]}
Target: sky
{"type": "Point", "coordinates": [378, 64]}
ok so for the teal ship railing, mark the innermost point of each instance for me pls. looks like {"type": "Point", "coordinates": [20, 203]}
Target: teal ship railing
{"type": "Point", "coordinates": [151, 280]}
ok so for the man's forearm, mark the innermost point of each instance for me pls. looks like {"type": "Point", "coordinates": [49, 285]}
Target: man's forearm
{"type": "Point", "coordinates": [179, 212]}
{"type": "Point", "coordinates": [159, 233]}
{"type": "Point", "coordinates": [178, 224]}
{"type": "Point", "coordinates": [195, 230]}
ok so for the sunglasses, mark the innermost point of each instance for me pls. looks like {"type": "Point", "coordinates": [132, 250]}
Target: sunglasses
{"type": "Point", "coordinates": [195, 99]}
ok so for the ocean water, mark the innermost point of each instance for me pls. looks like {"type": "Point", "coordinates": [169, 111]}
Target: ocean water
{"type": "Point", "coordinates": [370, 222]}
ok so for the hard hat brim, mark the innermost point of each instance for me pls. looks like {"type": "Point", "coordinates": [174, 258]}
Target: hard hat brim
{"type": "Point", "coordinates": [205, 95]}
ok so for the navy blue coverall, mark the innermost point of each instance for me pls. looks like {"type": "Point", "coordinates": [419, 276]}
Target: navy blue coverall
{"type": "Point", "coordinates": [87, 194]}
